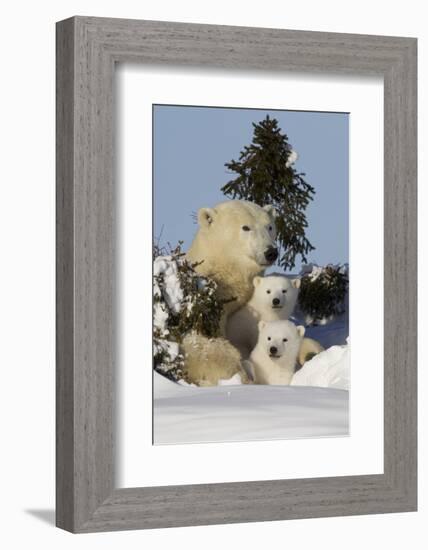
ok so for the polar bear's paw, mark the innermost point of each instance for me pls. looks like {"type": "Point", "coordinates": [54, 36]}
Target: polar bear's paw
{"type": "Point", "coordinates": [308, 350]}
{"type": "Point", "coordinates": [208, 360]}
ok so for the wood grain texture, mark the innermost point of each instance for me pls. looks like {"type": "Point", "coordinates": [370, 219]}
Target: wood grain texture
{"type": "Point", "coordinates": [87, 50]}
{"type": "Point", "coordinates": [64, 278]}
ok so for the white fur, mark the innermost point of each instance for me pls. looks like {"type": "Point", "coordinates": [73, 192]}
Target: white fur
{"type": "Point", "coordinates": [229, 254]}
{"type": "Point", "coordinates": [273, 299]}
{"type": "Point", "coordinates": [274, 357]}
{"type": "Point", "coordinates": [229, 247]}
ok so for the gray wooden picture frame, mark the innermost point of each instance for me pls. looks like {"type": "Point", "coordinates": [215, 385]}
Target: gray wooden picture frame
{"type": "Point", "coordinates": [87, 51]}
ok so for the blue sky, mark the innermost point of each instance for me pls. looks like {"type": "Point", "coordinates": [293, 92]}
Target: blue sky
{"type": "Point", "coordinates": [191, 145]}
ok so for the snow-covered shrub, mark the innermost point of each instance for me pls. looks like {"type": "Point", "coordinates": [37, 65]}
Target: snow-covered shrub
{"type": "Point", "coordinates": [183, 301]}
{"type": "Point", "coordinates": [323, 292]}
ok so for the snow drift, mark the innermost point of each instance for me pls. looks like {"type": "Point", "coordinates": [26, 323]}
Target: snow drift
{"type": "Point", "coordinates": [329, 369]}
{"type": "Point", "coordinates": [314, 405]}
{"type": "Point", "coordinates": [185, 414]}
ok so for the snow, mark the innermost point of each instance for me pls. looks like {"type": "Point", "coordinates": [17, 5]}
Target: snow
{"type": "Point", "coordinates": [160, 317]}
{"type": "Point", "coordinates": [292, 158]}
{"type": "Point", "coordinates": [332, 333]}
{"type": "Point", "coordinates": [314, 271]}
{"type": "Point", "coordinates": [184, 414]}
{"type": "Point", "coordinates": [314, 405]}
{"type": "Point", "coordinates": [166, 267]}
{"type": "Point", "coordinates": [171, 348]}
{"type": "Point", "coordinates": [329, 369]}
{"type": "Point", "coordinates": [235, 380]}
{"type": "Point", "coordinates": [173, 294]}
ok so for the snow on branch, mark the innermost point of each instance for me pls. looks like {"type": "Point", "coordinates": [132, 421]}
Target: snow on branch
{"type": "Point", "coordinates": [323, 292]}
{"type": "Point", "coordinates": [183, 301]}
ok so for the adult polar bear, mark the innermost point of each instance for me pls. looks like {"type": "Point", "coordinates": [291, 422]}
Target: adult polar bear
{"type": "Point", "coordinates": [235, 242]}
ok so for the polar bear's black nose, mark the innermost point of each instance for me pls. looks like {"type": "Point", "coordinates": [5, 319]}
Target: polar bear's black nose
{"type": "Point", "coordinates": [273, 350]}
{"type": "Point", "coordinates": [271, 254]}
{"type": "Point", "coordinates": [275, 301]}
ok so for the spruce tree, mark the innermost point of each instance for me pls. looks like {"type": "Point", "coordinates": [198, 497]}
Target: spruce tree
{"type": "Point", "coordinates": [323, 292]}
{"type": "Point", "coordinates": [266, 176]}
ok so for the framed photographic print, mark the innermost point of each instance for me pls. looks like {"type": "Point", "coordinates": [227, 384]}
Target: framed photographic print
{"type": "Point", "coordinates": [236, 274]}
{"type": "Point", "coordinates": [235, 242]}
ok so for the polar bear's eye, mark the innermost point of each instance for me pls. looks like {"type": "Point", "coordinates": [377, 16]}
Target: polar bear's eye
{"type": "Point", "coordinates": [267, 291]}
{"type": "Point", "coordinates": [270, 228]}
{"type": "Point", "coordinates": [284, 340]}
{"type": "Point", "coordinates": [284, 291]}
{"type": "Point", "coordinates": [269, 338]}
{"type": "Point", "coordinates": [245, 228]}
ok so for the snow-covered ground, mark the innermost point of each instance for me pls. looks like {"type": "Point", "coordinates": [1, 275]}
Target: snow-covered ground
{"type": "Point", "coordinates": [184, 414]}
{"type": "Point", "coordinates": [314, 405]}
{"type": "Point", "coordinates": [328, 369]}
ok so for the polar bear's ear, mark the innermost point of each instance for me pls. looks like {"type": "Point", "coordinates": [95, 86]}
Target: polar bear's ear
{"type": "Point", "coordinates": [261, 325]}
{"type": "Point", "coordinates": [256, 281]}
{"type": "Point", "coordinates": [206, 216]}
{"type": "Point", "coordinates": [271, 210]}
{"type": "Point", "coordinates": [301, 330]}
{"type": "Point", "coordinates": [295, 283]}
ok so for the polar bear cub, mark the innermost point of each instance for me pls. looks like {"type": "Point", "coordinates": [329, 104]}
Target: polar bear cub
{"type": "Point", "coordinates": [274, 358]}
{"type": "Point", "coordinates": [273, 299]}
